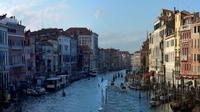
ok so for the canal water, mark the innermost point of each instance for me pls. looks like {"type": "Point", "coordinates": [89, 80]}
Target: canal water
{"type": "Point", "coordinates": [87, 96]}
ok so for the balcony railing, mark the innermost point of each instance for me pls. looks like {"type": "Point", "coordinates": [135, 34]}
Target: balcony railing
{"type": "Point", "coordinates": [183, 57]}
{"type": "Point", "coordinates": [185, 27]}
{"type": "Point", "coordinates": [16, 47]}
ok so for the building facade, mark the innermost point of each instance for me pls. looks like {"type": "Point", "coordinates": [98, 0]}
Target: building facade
{"type": "Point", "coordinates": [4, 64]}
{"type": "Point", "coordinates": [87, 38]}
{"type": "Point", "coordinates": [16, 49]}
{"type": "Point", "coordinates": [137, 60]}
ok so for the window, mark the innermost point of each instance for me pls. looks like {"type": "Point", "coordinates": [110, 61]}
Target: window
{"type": "Point", "coordinates": [172, 42]}
{"type": "Point", "coordinates": [192, 43]}
{"type": "Point", "coordinates": [198, 43]}
{"type": "Point", "coordinates": [195, 29]}
{"type": "Point", "coordinates": [198, 29]}
{"type": "Point", "coordinates": [194, 57]}
{"type": "Point", "coordinates": [166, 58]}
{"type": "Point", "coordinates": [167, 43]}
{"type": "Point", "coordinates": [198, 58]}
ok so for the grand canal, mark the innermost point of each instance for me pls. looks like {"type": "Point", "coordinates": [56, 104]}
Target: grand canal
{"type": "Point", "coordinates": [86, 96]}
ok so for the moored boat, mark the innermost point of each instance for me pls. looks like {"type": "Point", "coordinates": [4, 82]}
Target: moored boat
{"type": "Point", "coordinates": [154, 102]}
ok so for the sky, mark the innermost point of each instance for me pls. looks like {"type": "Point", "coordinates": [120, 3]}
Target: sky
{"type": "Point", "coordinates": [121, 24]}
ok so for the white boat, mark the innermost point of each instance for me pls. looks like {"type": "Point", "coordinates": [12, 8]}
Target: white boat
{"type": "Point", "coordinates": [41, 91]}
{"type": "Point", "coordinates": [31, 92]}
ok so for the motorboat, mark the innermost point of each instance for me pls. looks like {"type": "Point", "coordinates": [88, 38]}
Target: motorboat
{"type": "Point", "coordinates": [122, 87]}
{"type": "Point", "coordinates": [31, 92]}
{"type": "Point", "coordinates": [112, 83]}
{"type": "Point", "coordinates": [102, 80]}
{"type": "Point", "coordinates": [93, 73]}
{"type": "Point", "coordinates": [41, 91]}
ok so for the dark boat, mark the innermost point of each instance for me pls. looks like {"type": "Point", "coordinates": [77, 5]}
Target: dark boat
{"type": "Point", "coordinates": [186, 106]}
{"type": "Point", "coordinates": [102, 80]}
{"type": "Point", "coordinates": [112, 83]}
{"type": "Point", "coordinates": [175, 106]}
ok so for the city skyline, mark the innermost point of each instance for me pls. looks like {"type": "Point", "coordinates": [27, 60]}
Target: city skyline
{"type": "Point", "coordinates": [117, 25]}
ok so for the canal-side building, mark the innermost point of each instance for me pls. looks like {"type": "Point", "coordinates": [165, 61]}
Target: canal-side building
{"type": "Point", "coordinates": [169, 56]}
{"type": "Point", "coordinates": [84, 58]}
{"type": "Point", "coordinates": [155, 56]}
{"type": "Point", "coordinates": [124, 60]}
{"type": "Point", "coordinates": [161, 45]}
{"type": "Point", "coordinates": [47, 51]}
{"type": "Point", "coordinates": [16, 49]}
{"type": "Point", "coordinates": [186, 44]}
{"type": "Point", "coordinates": [56, 52]}
{"type": "Point", "coordinates": [86, 37]}
{"type": "Point", "coordinates": [102, 60]}
{"type": "Point", "coordinates": [64, 54]}
{"type": "Point", "coordinates": [132, 61]}
{"type": "Point", "coordinates": [4, 64]}
{"type": "Point", "coordinates": [195, 49]}
{"type": "Point", "coordinates": [137, 60]}
{"type": "Point", "coordinates": [145, 55]}
{"type": "Point", "coordinates": [29, 53]}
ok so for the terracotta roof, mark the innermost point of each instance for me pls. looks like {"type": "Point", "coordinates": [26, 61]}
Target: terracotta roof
{"type": "Point", "coordinates": [47, 30]}
{"type": "Point", "coordinates": [78, 31]}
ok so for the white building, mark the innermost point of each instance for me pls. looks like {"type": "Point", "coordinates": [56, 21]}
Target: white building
{"type": "Point", "coordinates": [155, 56]}
{"type": "Point", "coordinates": [136, 60]}
{"type": "Point", "coordinates": [169, 56]}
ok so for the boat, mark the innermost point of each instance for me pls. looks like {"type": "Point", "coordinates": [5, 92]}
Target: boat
{"type": "Point", "coordinates": [112, 83]}
{"type": "Point", "coordinates": [38, 91]}
{"type": "Point", "coordinates": [154, 102]}
{"type": "Point", "coordinates": [41, 91]}
{"type": "Point", "coordinates": [121, 76]}
{"type": "Point", "coordinates": [53, 84]}
{"type": "Point", "coordinates": [63, 93]}
{"type": "Point", "coordinates": [93, 73]}
{"type": "Point", "coordinates": [175, 106]}
{"type": "Point", "coordinates": [132, 87]}
{"type": "Point", "coordinates": [102, 80]}
{"type": "Point", "coordinates": [118, 75]}
{"type": "Point", "coordinates": [100, 109]}
{"type": "Point", "coordinates": [31, 92]}
{"type": "Point", "coordinates": [122, 87]}
{"type": "Point", "coordinates": [186, 106]}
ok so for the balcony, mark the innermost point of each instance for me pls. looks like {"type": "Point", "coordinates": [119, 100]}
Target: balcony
{"type": "Point", "coordinates": [185, 27]}
{"type": "Point", "coordinates": [17, 47]}
{"type": "Point", "coordinates": [183, 57]}
{"type": "Point", "coordinates": [18, 65]}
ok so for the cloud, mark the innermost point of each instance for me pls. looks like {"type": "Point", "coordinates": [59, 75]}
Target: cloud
{"type": "Point", "coordinates": [98, 13]}
{"type": "Point", "coordinates": [36, 15]}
